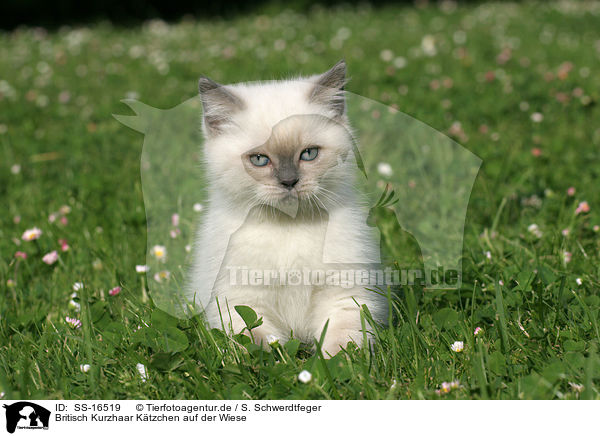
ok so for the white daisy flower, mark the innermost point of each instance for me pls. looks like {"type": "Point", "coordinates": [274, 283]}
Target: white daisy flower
{"type": "Point", "coordinates": [142, 370]}
{"type": "Point", "coordinates": [535, 230]}
{"type": "Point", "coordinates": [141, 269]}
{"type": "Point", "coordinates": [576, 387]}
{"type": "Point", "coordinates": [458, 346]}
{"type": "Point", "coordinates": [75, 305]}
{"type": "Point", "coordinates": [385, 169]}
{"type": "Point", "coordinates": [162, 276]}
{"type": "Point", "coordinates": [305, 376]}
{"type": "Point", "coordinates": [537, 117]}
{"type": "Point", "coordinates": [31, 234]}
{"type": "Point", "coordinates": [160, 252]}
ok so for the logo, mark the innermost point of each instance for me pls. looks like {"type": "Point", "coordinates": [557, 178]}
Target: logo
{"type": "Point", "coordinates": [408, 192]}
{"type": "Point", "coordinates": [26, 415]}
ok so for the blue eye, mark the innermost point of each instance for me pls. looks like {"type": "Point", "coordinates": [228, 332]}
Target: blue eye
{"type": "Point", "coordinates": [309, 153]}
{"type": "Point", "coordinates": [259, 160]}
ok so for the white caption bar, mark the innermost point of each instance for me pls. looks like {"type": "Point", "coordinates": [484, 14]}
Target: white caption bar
{"type": "Point", "coordinates": [150, 417]}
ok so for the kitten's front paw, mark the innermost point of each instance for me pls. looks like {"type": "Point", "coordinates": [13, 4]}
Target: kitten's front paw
{"type": "Point", "coordinates": [336, 340]}
{"type": "Point", "coordinates": [265, 336]}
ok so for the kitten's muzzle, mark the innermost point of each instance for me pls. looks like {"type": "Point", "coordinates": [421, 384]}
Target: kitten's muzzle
{"type": "Point", "coordinates": [287, 173]}
{"type": "Point", "coordinates": [289, 183]}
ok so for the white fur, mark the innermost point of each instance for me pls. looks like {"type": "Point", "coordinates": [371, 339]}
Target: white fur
{"type": "Point", "coordinates": [273, 241]}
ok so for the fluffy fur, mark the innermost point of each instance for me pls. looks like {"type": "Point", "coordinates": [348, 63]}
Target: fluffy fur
{"type": "Point", "coordinates": [255, 221]}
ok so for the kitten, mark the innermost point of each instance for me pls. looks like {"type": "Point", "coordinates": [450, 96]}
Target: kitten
{"type": "Point", "coordinates": [280, 169]}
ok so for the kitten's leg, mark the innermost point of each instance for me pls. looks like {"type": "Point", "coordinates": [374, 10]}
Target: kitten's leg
{"type": "Point", "coordinates": [342, 310]}
{"type": "Point", "coordinates": [232, 322]}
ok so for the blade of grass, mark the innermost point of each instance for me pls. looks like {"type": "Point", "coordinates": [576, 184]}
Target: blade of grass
{"type": "Point", "coordinates": [501, 317]}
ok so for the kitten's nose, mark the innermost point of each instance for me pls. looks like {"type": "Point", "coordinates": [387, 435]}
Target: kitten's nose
{"type": "Point", "coordinates": [289, 184]}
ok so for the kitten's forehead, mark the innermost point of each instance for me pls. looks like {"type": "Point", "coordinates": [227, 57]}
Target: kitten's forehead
{"type": "Point", "coordinates": [270, 103]}
{"type": "Point", "coordinates": [297, 132]}
{"type": "Point", "coordinates": [288, 135]}
{"type": "Point", "coordinates": [282, 148]}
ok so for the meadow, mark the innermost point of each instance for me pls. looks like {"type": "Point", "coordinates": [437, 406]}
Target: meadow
{"type": "Point", "coordinates": [516, 84]}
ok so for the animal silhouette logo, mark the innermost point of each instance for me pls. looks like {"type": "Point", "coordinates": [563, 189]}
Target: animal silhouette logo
{"type": "Point", "coordinates": [426, 179]}
{"type": "Point", "coordinates": [26, 415]}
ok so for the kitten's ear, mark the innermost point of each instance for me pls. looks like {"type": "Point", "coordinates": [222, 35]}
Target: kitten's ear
{"type": "Point", "coordinates": [329, 88]}
{"type": "Point", "coordinates": [218, 103]}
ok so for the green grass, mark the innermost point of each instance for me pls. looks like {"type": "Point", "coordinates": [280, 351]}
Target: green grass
{"type": "Point", "coordinates": [540, 327]}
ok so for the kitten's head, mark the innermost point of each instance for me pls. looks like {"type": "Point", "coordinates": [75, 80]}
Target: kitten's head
{"type": "Point", "coordinates": [267, 143]}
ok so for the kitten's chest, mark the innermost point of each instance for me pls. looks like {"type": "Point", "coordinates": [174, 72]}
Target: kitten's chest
{"type": "Point", "coordinates": [277, 245]}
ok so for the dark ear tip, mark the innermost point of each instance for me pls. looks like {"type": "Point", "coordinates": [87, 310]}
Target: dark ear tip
{"type": "Point", "coordinates": [206, 84]}
{"type": "Point", "coordinates": [340, 65]}
{"type": "Point", "coordinates": [339, 69]}
{"type": "Point", "coordinates": [202, 83]}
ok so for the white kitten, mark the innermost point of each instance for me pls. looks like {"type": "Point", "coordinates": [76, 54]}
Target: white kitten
{"type": "Point", "coordinates": [280, 168]}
